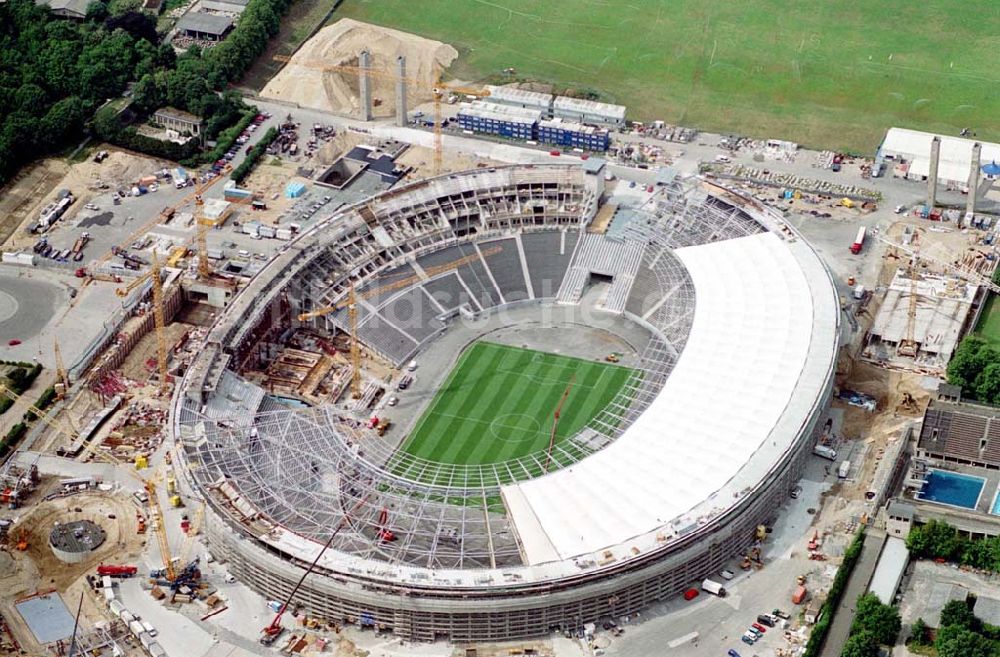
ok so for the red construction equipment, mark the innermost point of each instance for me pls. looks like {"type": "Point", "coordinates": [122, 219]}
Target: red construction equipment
{"type": "Point", "coordinates": [555, 422]}
{"type": "Point", "coordinates": [384, 533]}
{"type": "Point", "coordinates": [116, 571]}
{"type": "Point", "coordinates": [271, 633]}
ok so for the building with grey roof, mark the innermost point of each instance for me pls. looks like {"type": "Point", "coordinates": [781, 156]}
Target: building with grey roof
{"type": "Point", "coordinates": [889, 570]}
{"type": "Point", "coordinates": [66, 8]}
{"type": "Point", "coordinates": [987, 610]}
{"type": "Point", "coordinates": [522, 98]}
{"type": "Point", "coordinates": [209, 27]}
{"type": "Point", "coordinates": [588, 111]}
{"type": "Point", "coordinates": [228, 6]}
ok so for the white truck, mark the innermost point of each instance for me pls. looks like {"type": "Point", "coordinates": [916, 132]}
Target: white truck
{"type": "Point", "coordinates": [844, 470]}
{"type": "Point", "coordinates": [714, 588]}
{"type": "Point", "coordinates": [825, 452]}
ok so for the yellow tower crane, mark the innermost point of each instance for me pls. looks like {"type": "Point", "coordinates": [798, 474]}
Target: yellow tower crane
{"type": "Point", "coordinates": [351, 303]}
{"type": "Point", "coordinates": [438, 90]}
{"type": "Point", "coordinates": [159, 316]}
{"type": "Point", "coordinates": [61, 374]}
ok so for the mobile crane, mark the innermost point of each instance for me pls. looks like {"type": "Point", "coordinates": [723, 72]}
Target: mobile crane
{"type": "Point", "coordinates": [274, 630]}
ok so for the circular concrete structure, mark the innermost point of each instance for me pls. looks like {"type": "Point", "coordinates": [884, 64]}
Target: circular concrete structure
{"type": "Point", "coordinates": [735, 323]}
{"type": "Point", "coordinates": [73, 542]}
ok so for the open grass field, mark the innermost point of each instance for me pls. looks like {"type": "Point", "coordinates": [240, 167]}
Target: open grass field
{"type": "Point", "coordinates": [988, 327]}
{"type": "Point", "coordinates": [824, 74]}
{"type": "Point", "coordinates": [497, 404]}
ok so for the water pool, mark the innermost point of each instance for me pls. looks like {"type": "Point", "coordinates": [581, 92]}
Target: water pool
{"type": "Point", "coordinates": [952, 488]}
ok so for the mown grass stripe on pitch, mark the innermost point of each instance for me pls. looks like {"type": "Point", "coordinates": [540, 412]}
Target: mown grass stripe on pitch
{"type": "Point", "coordinates": [493, 384]}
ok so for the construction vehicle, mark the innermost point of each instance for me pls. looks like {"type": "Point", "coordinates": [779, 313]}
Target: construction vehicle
{"type": "Point", "coordinates": [859, 241]}
{"type": "Point", "coordinates": [116, 571]}
{"type": "Point", "coordinates": [21, 543]}
{"type": "Point", "coordinates": [382, 426]}
{"type": "Point", "coordinates": [351, 303]}
{"type": "Point", "coordinates": [385, 535]}
{"type": "Point", "coordinates": [77, 250]}
{"type": "Point", "coordinates": [612, 358]}
{"type": "Point", "coordinates": [555, 422]}
{"type": "Point", "coordinates": [274, 630]}
{"type": "Point", "coordinates": [439, 90]}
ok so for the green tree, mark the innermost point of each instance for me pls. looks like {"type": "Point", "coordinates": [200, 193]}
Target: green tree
{"type": "Point", "coordinates": [918, 632]}
{"type": "Point", "coordinates": [936, 539]}
{"type": "Point", "coordinates": [860, 644]}
{"type": "Point", "coordinates": [958, 614]}
{"type": "Point", "coordinates": [63, 119]}
{"type": "Point", "coordinates": [971, 358]}
{"type": "Point", "coordinates": [880, 620]}
{"type": "Point", "coordinates": [106, 123]}
{"type": "Point", "coordinates": [97, 11]}
{"type": "Point", "coordinates": [987, 383]}
{"type": "Point", "coordinates": [956, 641]}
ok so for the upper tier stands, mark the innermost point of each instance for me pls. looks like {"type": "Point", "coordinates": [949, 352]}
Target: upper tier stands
{"type": "Point", "coordinates": [964, 432]}
{"type": "Point", "coordinates": [394, 319]}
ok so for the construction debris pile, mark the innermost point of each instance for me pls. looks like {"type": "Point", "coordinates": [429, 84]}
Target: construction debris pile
{"type": "Point", "coordinates": [664, 131]}
{"type": "Point", "coordinates": [309, 81]}
{"type": "Point", "coordinates": [641, 153]}
{"type": "Point", "coordinates": [777, 179]}
{"type": "Point", "coordinates": [138, 432]}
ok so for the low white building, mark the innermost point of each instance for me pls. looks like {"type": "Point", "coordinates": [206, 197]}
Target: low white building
{"type": "Point", "coordinates": [907, 154]}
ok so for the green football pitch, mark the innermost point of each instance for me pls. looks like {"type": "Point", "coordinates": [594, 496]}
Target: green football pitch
{"type": "Point", "coordinates": [824, 73]}
{"type": "Point", "coordinates": [498, 403]}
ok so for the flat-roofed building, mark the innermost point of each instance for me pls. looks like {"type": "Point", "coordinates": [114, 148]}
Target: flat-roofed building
{"type": "Point", "coordinates": [588, 111]}
{"type": "Point", "coordinates": [207, 27]}
{"type": "Point", "coordinates": [522, 98]}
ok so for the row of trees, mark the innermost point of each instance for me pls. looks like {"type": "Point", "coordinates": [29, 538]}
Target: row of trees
{"type": "Point", "coordinates": [961, 634]}
{"type": "Point", "coordinates": [818, 635]}
{"type": "Point", "coordinates": [875, 624]}
{"type": "Point", "coordinates": [257, 152]}
{"type": "Point", "coordinates": [939, 540]}
{"type": "Point", "coordinates": [976, 367]}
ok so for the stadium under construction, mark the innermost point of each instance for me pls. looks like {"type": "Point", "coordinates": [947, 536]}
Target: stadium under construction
{"type": "Point", "coordinates": [727, 321]}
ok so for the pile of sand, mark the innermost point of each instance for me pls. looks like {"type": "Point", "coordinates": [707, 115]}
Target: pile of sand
{"type": "Point", "coordinates": [119, 169]}
{"type": "Point", "coordinates": [304, 80]}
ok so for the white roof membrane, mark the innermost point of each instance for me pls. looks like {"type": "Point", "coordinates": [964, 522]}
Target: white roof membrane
{"type": "Point", "coordinates": [722, 420]}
